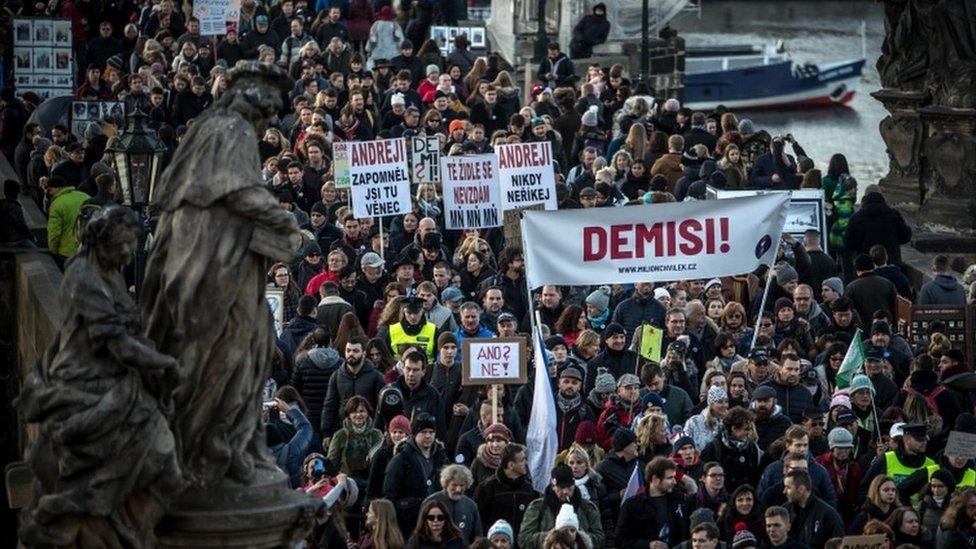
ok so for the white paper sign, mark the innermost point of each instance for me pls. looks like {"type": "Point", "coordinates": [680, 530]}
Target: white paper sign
{"type": "Point", "coordinates": [493, 360]}
{"type": "Point", "coordinates": [471, 196]}
{"type": "Point", "coordinates": [425, 156]}
{"type": "Point", "coordinates": [215, 14]}
{"type": "Point", "coordinates": [378, 177]}
{"type": "Point", "coordinates": [526, 175]}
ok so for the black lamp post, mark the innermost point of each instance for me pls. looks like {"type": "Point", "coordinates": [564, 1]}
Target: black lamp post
{"type": "Point", "coordinates": [645, 72]}
{"type": "Point", "coordinates": [137, 155]}
{"type": "Point", "coordinates": [541, 37]}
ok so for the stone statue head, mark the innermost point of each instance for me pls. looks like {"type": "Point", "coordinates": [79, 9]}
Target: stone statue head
{"type": "Point", "coordinates": [111, 236]}
{"type": "Point", "coordinates": [255, 90]}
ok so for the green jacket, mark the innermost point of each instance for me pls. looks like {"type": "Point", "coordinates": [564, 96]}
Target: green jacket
{"type": "Point", "coordinates": [62, 237]}
{"type": "Point", "coordinates": [349, 450]}
{"type": "Point", "coordinates": [539, 520]}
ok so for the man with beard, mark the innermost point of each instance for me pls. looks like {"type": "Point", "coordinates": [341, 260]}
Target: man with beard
{"type": "Point", "coordinates": [357, 376]}
{"type": "Point", "coordinates": [797, 443]}
{"type": "Point", "coordinates": [657, 518]}
{"type": "Point", "coordinates": [615, 357]}
{"type": "Point", "coordinates": [680, 373]}
{"type": "Point", "coordinates": [540, 516]}
{"type": "Point", "coordinates": [676, 329]}
{"type": "Point", "coordinates": [641, 308]}
{"type": "Point", "coordinates": [353, 295]}
{"type": "Point", "coordinates": [413, 472]}
{"type": "Point", "coordinates": [770, 421]}
{"type": "Point", "coordinates": [813, 422]}
{"type": "Point", "coordinates": [617, 468]}
{"type": "Point", "coordinates": [697, 325]}
{"type": "Point", "coordinates": [325, 233]}
{"type": "Point", "coordinates": [807, 308]}
{"type": "Point", "coordinates": [677, 404]}
{"type": "Point", "coordinates": [570, 409]}
{"type": "Point", "coordinates": [441, 316]}
{"type": "Point", "coordinates": [793, 397]}
{"type": "Point", "coordinates": [843, 471]}
{"type": "Point", "coordinates": [814, 520]}
{"type": "Point", "coordinates": [352, 242]}
{"type": "Point", "coordinates": [511, 280]}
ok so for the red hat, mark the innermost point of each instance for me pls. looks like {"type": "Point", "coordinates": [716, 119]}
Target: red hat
{"type": "Point", "coordinates": [400, 423]}
{"type": "Point", "coordinates": [498, 429]}
{"type": "Point", "coordinates": [585, 433]}
{"type": "Point", "coordinates": [456, 125]}
{"type": "Point", "coordinates": [386, 13]}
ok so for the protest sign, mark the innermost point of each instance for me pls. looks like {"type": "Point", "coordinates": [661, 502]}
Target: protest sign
{"type": "Point", "coordinates": [471, 195]}
{"type": "Point", "coordinates": [651, 339]}
{"type": "Point", "coordinates": [340, 164]}
{"type": "Point", "coordinates": [378, 177]}
{"type": "Point", "coordinates": [215, 14]}
{"type": "Point", "coordinates": [425, 156]}
{"type": "Point", "coordinates": [652, 243]}
{"type": "Point", "coordinates": [526, 175]}
{"type": "Point", "coordinates": [879, 541]}
{"type": "Point", "coordinates": [961, 444]}
{"type": "Point", "coordinates": [493, 360]}
{"type": "Point", "coordinates": [806, 209]}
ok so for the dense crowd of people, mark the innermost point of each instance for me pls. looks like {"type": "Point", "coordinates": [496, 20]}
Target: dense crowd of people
{"type": "Point", "coordinates": [745, 433]}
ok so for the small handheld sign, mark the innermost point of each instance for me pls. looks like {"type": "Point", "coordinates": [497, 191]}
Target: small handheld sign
{"type": "Point", "coordinates": [494, 360]}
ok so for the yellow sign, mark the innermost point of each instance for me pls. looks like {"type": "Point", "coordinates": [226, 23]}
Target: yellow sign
{"type": "Point", "coordinates": [650, 342]}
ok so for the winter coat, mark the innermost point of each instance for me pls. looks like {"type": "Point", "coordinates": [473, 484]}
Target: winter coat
{"type": "Point", "coordinates": [62, 237]}
{"type": "Point", "coordinates": [591, 30]}
{"type": "Point", "coordinates": [503, 498]}
{"type": "Point", "coordinates": [637, 310]}
{"type": "Point", "coordinates": [422, 399]}
{"type": "Point", "coordinates": [823, 488]}
{"type": "Point", "coordinates": [616, 473]}
{"type": "Point", "coordinates": [295, 331]}
{"type": "Point", "coordinates": [869, 293]}
{"type": "Point", "coordinates": [639, 524]}
{"type": "Point", "coordinates": [772, 428]}
{"type": "Point", "coordinates": [669, 165]}
{"type": "Point", "coordinates": [290, 455]}
{"type": "Point", "coordinates": [384, 40]}
{"type": "Point", "coordinates": [410, 478]}
{"type": "Point", "coordinates": [869, 511]}
{"type": "Point", "coordinates": [877, 223]}
{"type": "Point", "coordinates": [761, 175]}
{"type": "Point", "coordinates": [699, 431]}
{"type": "Point", "coordinates": [342, 386]}
{"type": "Point", "coordinates": [847, 488]}
{"type": "Point", "coordinates": [568, 421]}
{"type": "Point", "coordinates": [560, 67]}
{"type": "Point", "coordinates": [741, 465]}
{"type": "Point", "coordinates": [311, 379]}
{"type": "Point", "coordinates": [350, 450]}
{"type": "Point", "coordinates": [677, 404]}
{"type": "Point", "coordinates": [465, 514]}
{"type": "Point", "coordinates": [795, 399]}
{"type": "Point", "coordinates": [942, 290]}
{"type": "Point", "coordinates": [816, 523]}
{"type": "Point", "coordinates": [359, 20]}
{"type": "Point", "coordinates": [616, 414]}
{"type": "Point", "coordinates": [898, 278]}
{"type": "Point", "coordinates": [540, 519]}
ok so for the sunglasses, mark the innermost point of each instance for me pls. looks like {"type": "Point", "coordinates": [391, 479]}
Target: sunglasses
{"type": "Point", "coordinates": [435, 518]}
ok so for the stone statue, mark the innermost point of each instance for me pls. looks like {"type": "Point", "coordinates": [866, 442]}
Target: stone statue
{"type": "Point", "coordinates": [203, 294]}
{"type": "Point", "coordinates": [104, 459]}
{"type": "Point", "coordinates": [904, 61]}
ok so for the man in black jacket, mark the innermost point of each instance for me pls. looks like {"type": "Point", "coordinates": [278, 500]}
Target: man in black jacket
{"type": "Point", "coordinates": [870, 292]}
{"type": "Point", "coordinates": [304, 322]}
{"type": "Point", "coordinates": [592, 29]}
{"type": "Point", "coordinates": [556, 69]}
{"type": "Point", "coordinates": [640, 308]}
{"type": "Point", "coordinates": [356, 377]}
{"type": "Point", "coordinates": [659, 514]}
{"type": "Point", "coordinates": [877, 223]}
{"type": "Point", "coordinates": [879, 256]}
{"type": "Point", "coordinates": [570, 408]}
{"type": "Point", "coordinates": [410, 62]}
{"type": "Point", "coordinates": [311, 377]}
{"type": "Point", "coordinates": [418, 396]}
{"type": "Point", "coordinates": [414, 471]}
{"type": "Point", "coordinates": [813, 521]}
{"type": "Point", "coordinates": [617, 468]}
{"type": "Point", "coordinates": [770, 421]}
{"type": "Point", "coordinates": [507, 494]}
{"type": "Point", "coordinates": [615, 357]}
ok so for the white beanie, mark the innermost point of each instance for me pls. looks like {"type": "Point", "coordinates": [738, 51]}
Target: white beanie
{"type": "Point", "coordinates": [397, 99]}
{"type": "Point", "coordinates": [590, 117]}
{"type": "Point", "coordinates": [661, 293]}
{"type": "Point", "coordinates": [567, 517]}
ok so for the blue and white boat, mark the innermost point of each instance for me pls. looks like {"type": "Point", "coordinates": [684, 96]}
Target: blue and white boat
{"type": "Point", "coordinates": [746, 77]}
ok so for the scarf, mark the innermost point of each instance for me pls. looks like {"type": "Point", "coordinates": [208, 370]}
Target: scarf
{"type": "Point", "coordinates": [567, 404]}
{"type": "Point", "coordinates": [713, 503]}
{"type": "Point", "coordinates": [599, 321]}
{"type": "Point", "coordinates": [581, 486]}
{"type": "Point", "coordinates": [492, 461]}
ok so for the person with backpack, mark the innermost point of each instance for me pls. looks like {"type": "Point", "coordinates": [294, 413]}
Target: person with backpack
{"type": "Point", "coordinates": [590, 136]}
{"type": "Point", "coordinates": [925, 400]}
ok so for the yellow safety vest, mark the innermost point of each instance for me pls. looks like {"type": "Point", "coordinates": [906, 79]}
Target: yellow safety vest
{"type": "Point", "coordinates": [968, 478]}
{"type": "Point", "coordinates": [898, 471]}
{"type": "Point", "coordinates": [424, 338]}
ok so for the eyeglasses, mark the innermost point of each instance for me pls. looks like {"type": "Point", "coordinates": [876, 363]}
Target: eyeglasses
{"type": "Point", "coordinates": [435, 518]}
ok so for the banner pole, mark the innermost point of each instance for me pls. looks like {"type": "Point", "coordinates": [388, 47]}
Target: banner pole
{"type": "Point", "coordinates": [640, 340]}
{"type": "Point", "coordinates": [494, 404]}
{"type": "Point", "coordinates": [762, 307]}
{"type": "Point", "coordinates": [382, 247]}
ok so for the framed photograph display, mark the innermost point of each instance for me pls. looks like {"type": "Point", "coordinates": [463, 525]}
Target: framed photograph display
{"type": "Point", "coordinates": [444, 37]}
{"type": "Point", "coordinates": [43, 58]}
{"type": "Point", "coordinates": [23, 32]}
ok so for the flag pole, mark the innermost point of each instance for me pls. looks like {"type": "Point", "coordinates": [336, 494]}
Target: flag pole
{"type": "Point", "coordinates": [762, 307]}
{"type": "Point", "coordinates": [382, 248]}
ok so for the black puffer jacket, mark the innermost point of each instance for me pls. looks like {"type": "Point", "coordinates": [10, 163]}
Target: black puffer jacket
{"type": "Point", "coordinates": [311, 379]}
{"type": "Point", "coordinates": [367, 383]}
{"type": "Point", "coordinates": [410, 478]}
{"type": "Point", "coordinates": [638, 310]}
{"type": "Point", "coordinates": [617, 363]}
{"type": "Point", "coordinates": [877, 223]}
{"type": "Point", "coordinates": [503, 498]}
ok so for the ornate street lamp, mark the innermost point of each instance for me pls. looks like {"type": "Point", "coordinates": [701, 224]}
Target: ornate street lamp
{"type": "Point", "coordinates": [137, 155]}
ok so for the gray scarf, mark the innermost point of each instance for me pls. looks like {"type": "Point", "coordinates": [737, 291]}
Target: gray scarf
{"type": "Point", "coordinates": [567, 404]}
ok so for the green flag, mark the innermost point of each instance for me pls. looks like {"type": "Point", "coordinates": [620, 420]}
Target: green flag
{"type": "Point", "coordinates": [853, 361]}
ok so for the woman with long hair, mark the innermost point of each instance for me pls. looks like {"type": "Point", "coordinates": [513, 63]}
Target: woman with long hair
{"type": "Point", "coordinates": [836, 167]}
{"type": "Point", "coordinates": [652, 437]}
{"type": "Point", "coordinates": [587, 345]}
{"type": "Point", "coordinates": [407, 234]}
{"type": "Point", "coordinates": [436, 528]}
{"type": "Point", "coordinates": [428, 201]}
{"type": "Point", "coordinates": [474, 77]}
{"type": "Point", "coordinates": [379, 354]}
{"type": "Point", "coordinates": [636, 141]}
{"type": "Point", "coordinates": [430, 54]}
{"type": "Point", "coordinates": [705, 426]}
{"type": "Point", "coordinates": [657, 146]}
{"type": "Point", "coordinates": [733, 320]}
{"type": "Point", "coordinates": [385, 309]}
{"type": "Point", "coordinates": [476, 270]}
{"type": "Point", "coordinates": [281, 277]}
{"type": "Point", "coordinates": [381, 530]}
{"type": "Point", "coordinates": [881, 502]}
{"type": "Point", "coordinates": [350, 446]}
{"type": "Point", "coordinates": [348, 328]}
{"type": "Point", "coordinates": [936, 496]}
{"type": "Point", "coordinates": [571, 323]}
{"type": "Point", "coordinates": [273, 144]}
{"type": "Point", "coordinates": [743, 508]}
{"type": "Point", "coordinates": [958, 527]}
{"type": "Point", "coordinates": [905, 523]}
{"type": "Point", "coordinates": [589, 483]}
{"type": "Point", "coordinates": [734, 167]}
{"type": "Point", "coordinates": [730, 133]}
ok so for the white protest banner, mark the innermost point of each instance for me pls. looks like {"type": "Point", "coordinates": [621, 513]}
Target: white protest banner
{"type": "Point", "coordinates": [425, 153]}
{"type": "Point", "coordinates": [378, 177]}
{"type": "Point", "coordinates": [215, 14]}
{"type": "Point", "coordinates": [526, 175]}
{"type": "Point", "coordinates": [652, 243]}
{"type": "Point", "coordinates": [471, 195]}
{"type": "Point", "coordinates": [493, 360]}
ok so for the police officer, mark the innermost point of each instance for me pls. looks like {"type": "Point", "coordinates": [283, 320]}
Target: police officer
{"type": "Point", "coordinates": [414, 329]}
{"type": "Point", "coordinates": [909, 457]}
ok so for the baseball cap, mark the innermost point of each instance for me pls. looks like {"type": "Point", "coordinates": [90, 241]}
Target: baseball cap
{"type": "Point", "coordinates": [845, 417]}
{"type": "Point", "coordinates": [764, 392]}
{"type": "Point", "coordinates": [451, 294]}
{"type": "Point", "coordinates": [507, 317]}
{"type": "Point", "coordinates": [840, 437]}
{"type": "Point", "coordinates": [759, 356]}
{"type": "Point", "coordinates": [372, 259]}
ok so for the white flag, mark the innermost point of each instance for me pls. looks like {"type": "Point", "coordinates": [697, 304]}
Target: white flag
{"type": "Point", "coordinates": [542, 442]}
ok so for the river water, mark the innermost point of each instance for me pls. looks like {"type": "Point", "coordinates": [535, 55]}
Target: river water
{"type": "Point", "coordinates": [818, 32]}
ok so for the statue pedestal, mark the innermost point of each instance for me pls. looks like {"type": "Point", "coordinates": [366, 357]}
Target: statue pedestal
{"type": "Point", "coordinates": [266, 513]}
{"type": "Point", "coordinates": [904, 133]}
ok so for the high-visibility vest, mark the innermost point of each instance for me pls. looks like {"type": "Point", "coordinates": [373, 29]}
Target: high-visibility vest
{"type": "Point", "coordinates": [424, 338]}
{"type": "Point", "coordinates": [898, 471]}
{"type": "Point", "coordinates": [968, 478]}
